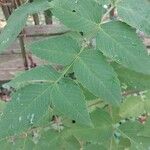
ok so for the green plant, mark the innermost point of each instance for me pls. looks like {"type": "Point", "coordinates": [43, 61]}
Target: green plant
{"type": "Point", "coordinates": [101, 62]}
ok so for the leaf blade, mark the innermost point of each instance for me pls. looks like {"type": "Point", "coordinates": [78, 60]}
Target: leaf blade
{"type": "Point", "coordinates": [59, 50]}
{"type": "Point", "coordinates": [29, 110]}
{"type": "Point", "coordinates": [70, 101]}
{"type": "Point", "coordinates": [133, 14]}
{"type": "Point", "coordinates": [123, 46]}
{"type": "Point", "coordinates": [12, 30]}
{"type": "Point", "coordinates": [97, 76]}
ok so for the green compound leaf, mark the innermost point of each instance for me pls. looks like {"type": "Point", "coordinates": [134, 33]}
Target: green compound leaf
{"type": "Point", "coordinates": [12, 29]}
{"type": "Point", "coordinates": [115, 39]}
{"type": "Point", "coordinates": [135, 13]}
{"type": "Point", "coordinates": [119, 42]}
{"type": "Point", "coordinates": [97, 76]}
{"type": "Point", "coordinates": [131, 79]}
{"type": "Point", "coordinates": [101, 80]}
{"type": "Point", "coordinates": [30, 103]}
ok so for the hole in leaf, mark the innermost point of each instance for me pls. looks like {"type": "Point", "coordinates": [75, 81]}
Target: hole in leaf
{"type": "Point", "coordinates": [81, 33]}
{"type": "Point", "coordinates": [73, 121]}
{"type": "Point", "coordinates": [72, 75]}
{"type": "Point", "coordinates": [73, 11]}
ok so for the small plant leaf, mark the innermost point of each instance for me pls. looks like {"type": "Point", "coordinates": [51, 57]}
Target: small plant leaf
{"type": "Point", "coordinates": [131, 79]}
{"type": "Point", "coordinates": [131, 131]}
{"type": "Point", "coordinates": [134, 106]}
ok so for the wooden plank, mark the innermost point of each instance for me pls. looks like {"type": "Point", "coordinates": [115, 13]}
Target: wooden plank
{"type": "Point", "coordinates": [33, 33]}
{"type": "Point", "coordinates": [147, 42]}
{"type": "Point", "coordinates": [45, 30]}
{"type": "Point", "coordinates": [11, 64]}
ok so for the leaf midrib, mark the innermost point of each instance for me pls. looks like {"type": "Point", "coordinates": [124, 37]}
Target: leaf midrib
{"type": "Point", "coordinates": [130, 10]}
{"type": "Point", "coordinates": [66, 100]}
{"type": "Point", "coordinates": [93, 72]}
{"type": "Point", "coordinates": [124, 48]}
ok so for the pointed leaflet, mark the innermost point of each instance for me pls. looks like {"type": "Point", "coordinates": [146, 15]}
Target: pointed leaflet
{"type": "Point", "coordinates": [42, 74]}
{"type": "Point", "coordinates": [132, 79]}
{"type": "Point", "coordinates": [78, 15]}
{"type": "Point", "coordinates": [59, 50]}
{"type": "Point", "coordinates": [100, 133]}
{"type": "Point", "coordinates": [135, 13]}
{"type": "Point", "coordinates": [131, 130]}
{"type": "Point", "coordinates": [119, 42]}
{"type": "Point", "coordinates": [12, 29]}
{"type": "Point", "coordinates": [30, 104]}
{"type": "Point", "coordinates": [68, 99]}
{"type": "Point", "coordinates": [27, 107]}
{"type": "Point", "coordinates": [92, 70]}
{"type": "Point", "coordinates": [134, 106]}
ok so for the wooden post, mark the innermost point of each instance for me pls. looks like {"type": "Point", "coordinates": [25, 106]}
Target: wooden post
{"type": "Point", "coordinates": [18, 2]}
{"type": "Point", "coordinates": [48, 17]}
{"type": "Point", "coordinates": [6, 8]}
{"type": "Point", "coordinates": [35, 16]}
{"type": "Point", "coordinates": [21, 41]}
{"type": "Point", "coordinates": [36, 19]}
{"type": "Point", "coordinates": [23, 51]}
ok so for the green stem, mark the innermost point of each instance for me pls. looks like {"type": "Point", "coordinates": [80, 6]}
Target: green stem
{"type": "Point", "coordinates": [68, 67]}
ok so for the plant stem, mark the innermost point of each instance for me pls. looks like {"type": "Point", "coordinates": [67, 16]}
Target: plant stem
{"type": "Point", "coordinates": [23, 51]}
{"type": "Point", "coordinates": [94, 104]}
{"type": "Point", "coordinates": [67, 68]}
